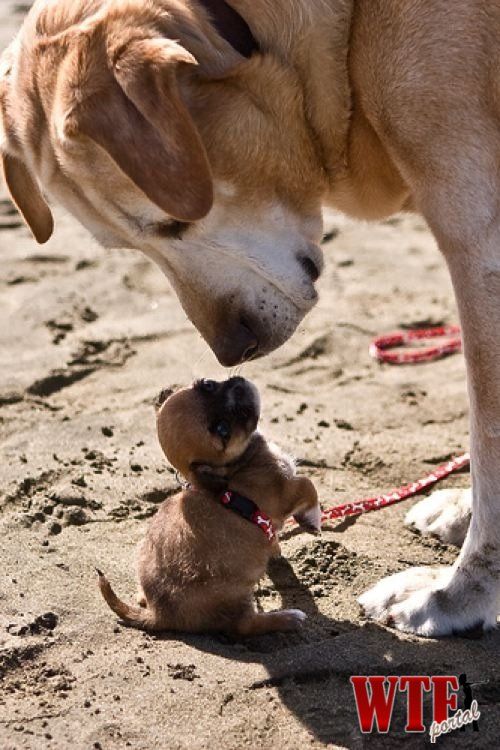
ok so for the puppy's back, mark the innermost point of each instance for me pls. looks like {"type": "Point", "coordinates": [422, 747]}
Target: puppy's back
{"type": "Point", "coordinates": [193, 537]}
{"type": "Point", "coordinates": [199, 561]}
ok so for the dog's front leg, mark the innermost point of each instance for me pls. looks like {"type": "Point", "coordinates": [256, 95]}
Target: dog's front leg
{"type": "Point", "coordinates": [444, 514]}
{"type": "Point", "coordinates": [466, 597]}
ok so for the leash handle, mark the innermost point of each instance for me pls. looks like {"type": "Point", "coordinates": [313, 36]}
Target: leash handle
{"type": "Point", "coordinates": [381, 346]}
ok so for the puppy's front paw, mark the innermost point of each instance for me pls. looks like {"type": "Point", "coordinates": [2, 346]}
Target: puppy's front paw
{"type": "Point", "coordinates": [310, 520]}
{"type": "Point", "coordinates": [444, 514]}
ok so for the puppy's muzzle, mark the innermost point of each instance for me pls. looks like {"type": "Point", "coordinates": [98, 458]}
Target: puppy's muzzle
{"type": "Point", "coordinates": [242, 400]}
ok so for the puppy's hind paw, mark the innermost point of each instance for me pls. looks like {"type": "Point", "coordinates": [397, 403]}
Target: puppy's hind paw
{"type": "Point", "coordinates": [280, 621]}
{"type": "Point", "coordinates": [293, 619]}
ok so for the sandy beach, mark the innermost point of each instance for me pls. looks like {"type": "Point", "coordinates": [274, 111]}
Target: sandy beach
{"type": "Point", "coordinates": [88, 339]}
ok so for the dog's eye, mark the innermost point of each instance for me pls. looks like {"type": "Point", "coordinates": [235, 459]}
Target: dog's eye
{"type": "Point", "coordinates": [208, 386]}
{"type": "Point", "coordinates": [172, 230]}
{"type": "Point", "coordinates": [222, 430]}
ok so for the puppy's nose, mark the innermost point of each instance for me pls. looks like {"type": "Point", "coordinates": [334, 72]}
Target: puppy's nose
{"type": "Point", "coordinates": [236, 346]}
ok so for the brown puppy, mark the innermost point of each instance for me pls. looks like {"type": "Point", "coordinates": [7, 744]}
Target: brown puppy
{"type": "Point", "coordinates": [201, 560]}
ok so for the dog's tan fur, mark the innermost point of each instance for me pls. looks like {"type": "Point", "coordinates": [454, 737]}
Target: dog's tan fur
{"type": "Point", "coordinates": [370, 106]}
{"type": "Point", "coordinates": [199, 562]}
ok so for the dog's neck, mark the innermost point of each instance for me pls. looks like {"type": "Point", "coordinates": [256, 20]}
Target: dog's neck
{"type": "Point", "coordinates": [313, 36]}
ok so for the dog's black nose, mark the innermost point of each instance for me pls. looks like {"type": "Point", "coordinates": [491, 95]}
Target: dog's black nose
{"type": "Point", "coordinates": [311, 260]}
{"type": "Point", "coordinates": [310, 268]}
{"type": "Point", "coordinates": [236, 346]}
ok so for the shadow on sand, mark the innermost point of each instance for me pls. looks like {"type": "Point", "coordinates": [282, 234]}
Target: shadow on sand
{"type": "Point", "coordinates": [310, 670]}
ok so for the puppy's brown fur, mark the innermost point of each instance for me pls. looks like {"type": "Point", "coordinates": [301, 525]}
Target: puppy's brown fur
{"type": "Point", "coordinates": [199, 562]}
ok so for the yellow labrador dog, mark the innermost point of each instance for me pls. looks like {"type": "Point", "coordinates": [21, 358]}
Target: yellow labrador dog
{"type": "Point", "coordinates": [209, 134]}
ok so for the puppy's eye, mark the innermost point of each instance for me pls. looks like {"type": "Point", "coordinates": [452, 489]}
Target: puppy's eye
{"type": "Point", "coordinates": [222, 430]}
{"type": "Point", "coordinates": [208, 386]}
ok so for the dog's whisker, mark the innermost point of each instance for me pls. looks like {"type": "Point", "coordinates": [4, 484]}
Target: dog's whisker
{"type": "Point", "coordinates": [197, 364]}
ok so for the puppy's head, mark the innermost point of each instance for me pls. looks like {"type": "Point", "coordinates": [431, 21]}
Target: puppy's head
{"type": "Point", "coordinates": [207, 426]}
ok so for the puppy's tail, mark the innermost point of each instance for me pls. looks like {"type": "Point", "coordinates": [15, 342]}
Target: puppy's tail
{"type": "Point", "coordinates": [136, 617]}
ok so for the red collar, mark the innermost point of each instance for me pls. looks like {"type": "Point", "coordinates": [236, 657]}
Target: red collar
{"type": "Point", "coordinates": [231, 26]}
{"type": "Point", "coordinates": [249, 511]}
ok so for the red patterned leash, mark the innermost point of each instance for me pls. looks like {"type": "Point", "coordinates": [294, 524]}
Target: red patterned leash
{"type": "Point", "coordinates": [380, 347]}
{"type": "Point", "coordinates": [402, 493]}
{"type": "Point", "coordinates": [379, 350]}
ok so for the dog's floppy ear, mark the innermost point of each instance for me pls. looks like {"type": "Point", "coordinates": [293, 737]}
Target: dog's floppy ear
{"type": "Point", "coordinates": [138, 117]}
{"type": "Point", "coordinates": [21, 184]}
{"type": "Point", "coordinates": [28, 198]}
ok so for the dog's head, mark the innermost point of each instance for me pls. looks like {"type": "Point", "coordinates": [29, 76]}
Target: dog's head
{"type": "Point", "coordinates": [199, 157]}
{"type": "Point", "coordinates": [207, 427]}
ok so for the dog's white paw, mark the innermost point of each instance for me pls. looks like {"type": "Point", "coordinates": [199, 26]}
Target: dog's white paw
{"type": "Point", "coordinates": [430, 602]}
{"type": "Point", "coordinates": [444, 514]}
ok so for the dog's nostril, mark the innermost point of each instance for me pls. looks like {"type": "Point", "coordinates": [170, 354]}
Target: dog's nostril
{"type": "Point", "coordinates": [250, 352]}
{"type": "Point", "coordinates": [252, 345]}
{"type": "Point", "coordinates": [310, 267]}
{"type": "Point", "coordinates": [237, 345]}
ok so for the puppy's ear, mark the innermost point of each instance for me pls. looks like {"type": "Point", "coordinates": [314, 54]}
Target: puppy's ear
{"type": "Point", "coordinates": [21, 184]}
{"type": "Point", "coordinates": [131, 107]}
{"type": "Point", "coordinates": [206, 479]}
{"type": "Point", "coordinates": [162, 397]}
